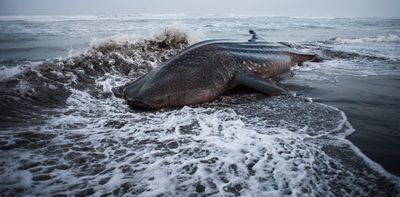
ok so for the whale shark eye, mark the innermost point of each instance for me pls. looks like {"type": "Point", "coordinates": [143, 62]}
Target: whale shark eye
{"type": "Point", "coordinates": [158, 101]}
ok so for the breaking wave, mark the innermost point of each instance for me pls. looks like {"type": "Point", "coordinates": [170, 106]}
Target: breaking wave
{"type": "Point", "coordinates": [49, 84]}
{"type": "Point", "coordinates": [387, 38]}
{"type": "Point", "coordinates": [7, 72]}
{"type": "Point", "coordinates": [63, 132]}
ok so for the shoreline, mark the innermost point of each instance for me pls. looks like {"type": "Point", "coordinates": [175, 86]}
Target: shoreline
{"type": "Point", "coordinates": [372, 106]}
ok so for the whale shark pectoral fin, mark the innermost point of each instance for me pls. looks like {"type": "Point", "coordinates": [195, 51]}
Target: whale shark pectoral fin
{"type": "Point", "coordinates": [254, 82]}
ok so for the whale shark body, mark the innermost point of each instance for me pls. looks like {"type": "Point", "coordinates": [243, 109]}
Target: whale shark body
{"type": "Point", "coordinates": [204, 71]}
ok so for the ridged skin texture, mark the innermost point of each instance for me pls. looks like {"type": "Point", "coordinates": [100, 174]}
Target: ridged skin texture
{"type": "Point", "coordinates": [203, 71]}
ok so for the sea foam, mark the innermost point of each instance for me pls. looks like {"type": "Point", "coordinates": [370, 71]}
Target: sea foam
{"type": "Point", "coordinates": [93, 144]}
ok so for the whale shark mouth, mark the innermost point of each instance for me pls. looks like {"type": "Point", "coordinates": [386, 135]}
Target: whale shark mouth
{"type": "Point", "coordinates": [137, 104]}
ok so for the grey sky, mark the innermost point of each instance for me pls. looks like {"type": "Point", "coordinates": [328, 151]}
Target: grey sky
{"type": "Point", "coordinates": [328, 8]}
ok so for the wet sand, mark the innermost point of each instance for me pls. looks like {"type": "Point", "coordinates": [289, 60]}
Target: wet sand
{"type": "Point", "coordinates": [372, 105]}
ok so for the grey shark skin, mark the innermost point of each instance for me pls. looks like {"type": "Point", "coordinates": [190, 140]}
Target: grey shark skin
{"type": "Point", "coordinates": [204, 71]}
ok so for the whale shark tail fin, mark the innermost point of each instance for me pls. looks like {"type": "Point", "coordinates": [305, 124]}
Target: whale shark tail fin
{"type": "Point", "coordinates": [300, 58]}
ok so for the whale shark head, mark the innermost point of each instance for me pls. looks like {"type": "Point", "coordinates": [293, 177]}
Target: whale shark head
{"type": "Point", "coordinates": [146, 100]}
{"type": "Point", "coordinates": [163, 88]}
{"type": "Point", "coordinates": [145, 96]}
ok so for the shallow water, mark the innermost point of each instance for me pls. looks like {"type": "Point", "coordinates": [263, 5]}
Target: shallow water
{"type": "Point", "coordinates": [372, 106]}
{"type": "Point", "coordinates": [63, 132]}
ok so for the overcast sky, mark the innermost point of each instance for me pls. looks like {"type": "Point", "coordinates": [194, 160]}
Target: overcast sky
{"type": "Point", "coordinates": [326, 8]}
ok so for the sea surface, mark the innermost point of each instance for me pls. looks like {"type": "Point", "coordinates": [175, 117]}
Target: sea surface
{"type": "Point", "coordinates": [62, 131]}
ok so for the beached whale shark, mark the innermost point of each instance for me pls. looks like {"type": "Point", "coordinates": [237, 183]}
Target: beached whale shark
{"type": "Point", "coordinates": [204, 71]}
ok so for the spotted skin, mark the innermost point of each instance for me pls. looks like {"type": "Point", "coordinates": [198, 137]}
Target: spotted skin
{"type": "Point", "coordinates": [202, 72]}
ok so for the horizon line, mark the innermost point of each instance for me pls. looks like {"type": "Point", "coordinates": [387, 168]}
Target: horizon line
{"type": "Point", "coordinates": [203, 14]}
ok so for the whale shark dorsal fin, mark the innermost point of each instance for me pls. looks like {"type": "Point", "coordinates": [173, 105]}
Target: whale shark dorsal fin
{"type": "Point", "coordinates": [255, 37]}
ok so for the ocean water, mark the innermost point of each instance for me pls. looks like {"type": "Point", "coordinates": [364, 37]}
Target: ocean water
{"type": "Point", "coordinates": [62, 131]}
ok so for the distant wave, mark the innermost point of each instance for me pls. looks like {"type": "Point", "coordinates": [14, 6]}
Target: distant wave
{"type": "Point", "coordinates": [52, 18]}
{"type": "Point", "coordinates": [313, 17]}
{"type": "Point", "coordinates": [6, 39]}
{"type": "Point", "coordinates": [27, 49]}
{"type": "Point", "coordinates": [58, 18]}
{"type": "Point", "coordinates": [386, 38]}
